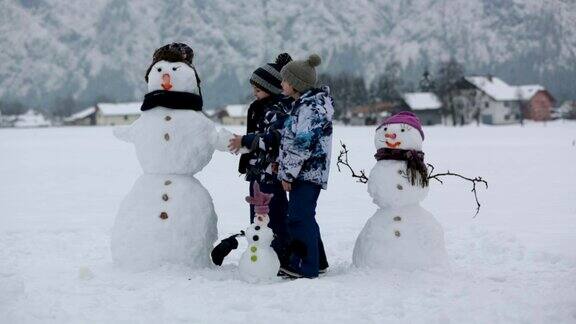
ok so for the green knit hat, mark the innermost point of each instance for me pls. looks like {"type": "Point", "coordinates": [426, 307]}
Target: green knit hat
{"type": "Point", "coordinates": [301, 74]}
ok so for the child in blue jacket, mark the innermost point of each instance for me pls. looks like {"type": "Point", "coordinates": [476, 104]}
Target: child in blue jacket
{"type": "Point", "coordinates": [304, 163]}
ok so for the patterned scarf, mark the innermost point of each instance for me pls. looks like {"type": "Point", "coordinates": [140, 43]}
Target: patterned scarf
{"type": "Point", "coordinates": [172, 99]}
{"type": "Point", "coordinates": [414, 163]}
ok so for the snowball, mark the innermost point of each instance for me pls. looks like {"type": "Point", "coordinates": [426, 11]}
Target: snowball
{"type": "Point", "coordinates": [399, 136]}
{"type": "Point", "coordinates": [170, 141]}
{"type": "Point", "coordinates": [164, 218]}
{"type": "Point", "coordinates": [181, 77]}
{"type": "Point", "coordinates": [389, 188]}
{"type": "Point", "coordinates": [405, 238]}
{"type": "Point", "coordinates": [259, 263]}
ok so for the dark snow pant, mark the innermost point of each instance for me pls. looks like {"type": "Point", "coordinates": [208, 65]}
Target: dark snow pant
{"type": "Point", "coordinates": [304, 230]}
{"type": "Point", "coordinates": [278, 212]}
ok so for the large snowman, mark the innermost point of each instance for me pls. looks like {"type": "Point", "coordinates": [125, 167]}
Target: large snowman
{"type": "Point", "coordinates": [401, 234]}
{"type": "Point", "coordinates": [168, 216]}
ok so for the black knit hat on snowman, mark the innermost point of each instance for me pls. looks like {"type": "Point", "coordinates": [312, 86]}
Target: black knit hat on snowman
{"type": "Point", "coordinates": [301, 75]}
{"type": "Point", "coordinates": [267, 77]}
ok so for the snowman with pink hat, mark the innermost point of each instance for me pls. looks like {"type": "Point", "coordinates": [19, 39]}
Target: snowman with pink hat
{"type": "Point", "coordinates": [259, 263]}
{"type": "Point", "coordinates": [401, 234]}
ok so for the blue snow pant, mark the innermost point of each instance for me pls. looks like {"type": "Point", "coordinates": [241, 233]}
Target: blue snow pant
{"type": "Point", "coordinates": [303, 228]}
{"type": "Point", "coordinates": [278, 212]}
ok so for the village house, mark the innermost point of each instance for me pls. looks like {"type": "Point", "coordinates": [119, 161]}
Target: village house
{"type": "Point", "coordinates": [536, 102]}
{"type": "Point", "coordinates": [106, 114]}
{"type": "Point", "coordinates": [86, 117]}
{"type": "Point", "coordinates": [110, 114]}
{"type": "Point", "coordinates": [369, 114]}
{"type": "Point", "coordinates": [486, 99]}
{"type": "Point", "coordinates": [492, 101]}
{"type": "Point", "coordinates": [426, 105]}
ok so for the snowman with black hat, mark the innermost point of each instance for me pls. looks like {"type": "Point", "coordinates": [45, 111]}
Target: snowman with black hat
{"type": "Point", "coordinates": [168, 216]}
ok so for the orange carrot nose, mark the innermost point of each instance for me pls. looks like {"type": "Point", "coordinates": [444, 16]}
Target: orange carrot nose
{"type": "Point", "coordinates": [392, 136]}
{"type": "Point", "coordinates": [166, 82]}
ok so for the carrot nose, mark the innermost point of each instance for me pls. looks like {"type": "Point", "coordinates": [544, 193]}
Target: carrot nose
{"type": "Point", "coordinates": [392, 136]}
{"type": "Point", "coordinates": [166, 82]}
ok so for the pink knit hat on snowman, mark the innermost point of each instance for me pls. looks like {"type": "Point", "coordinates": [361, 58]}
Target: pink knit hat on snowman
{"type": "Point", "coordinates": [404, 117]}
{"type": "Point", "coordinates": [260, 200]}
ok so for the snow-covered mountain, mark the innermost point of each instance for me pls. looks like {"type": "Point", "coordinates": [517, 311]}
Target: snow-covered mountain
{"type": "Point", "coordinates": [101, 48]}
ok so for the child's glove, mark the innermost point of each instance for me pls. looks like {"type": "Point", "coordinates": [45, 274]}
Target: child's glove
{"type": "Point", "coordinates": [223, 249]}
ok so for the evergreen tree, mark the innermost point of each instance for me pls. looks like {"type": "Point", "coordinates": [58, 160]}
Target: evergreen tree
{"type": "Point", "coordinates": [347, 90]}
{"type": "Point", "coordinates": [12, 108]}
{"type": "Point", "coordinates": [449, 73]}
{"type": "Point", "coordinates": [426, 83]}
{"type": "Point", "coordinates": [387, 86]}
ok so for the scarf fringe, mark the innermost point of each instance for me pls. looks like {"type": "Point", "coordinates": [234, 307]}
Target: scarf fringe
{"type": "Point", "coordinates": [416, 169]}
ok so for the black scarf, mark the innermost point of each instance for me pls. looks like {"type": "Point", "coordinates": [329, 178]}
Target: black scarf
{"type": "Point", "coordinates": [172, 99]}
{"type": "Point", "coordinates": [414, 163]}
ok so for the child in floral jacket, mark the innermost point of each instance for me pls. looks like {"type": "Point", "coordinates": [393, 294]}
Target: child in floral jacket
{"type": "Point", "coordinates": [304, 163]}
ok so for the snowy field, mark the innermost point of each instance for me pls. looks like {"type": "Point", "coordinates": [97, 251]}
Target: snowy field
{"type": "Point", "coordinates": [514, 263]}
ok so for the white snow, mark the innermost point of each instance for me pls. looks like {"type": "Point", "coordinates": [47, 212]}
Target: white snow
{"type": "Point", "coordinates": [514, 263]}
{"type": "Point", "coordinates": [237, 110]}
{"type": "Point", "coordinates": [422, 100]}
{"type": "Point", "coordinates": [118, 109]}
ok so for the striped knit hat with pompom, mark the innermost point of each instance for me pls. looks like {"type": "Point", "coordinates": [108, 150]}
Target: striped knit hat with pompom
{"type": "Point", "coordinates": [267, 77]}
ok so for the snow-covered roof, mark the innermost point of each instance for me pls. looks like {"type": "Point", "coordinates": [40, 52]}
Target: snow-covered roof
{"type": "Point", "coordinates": [237, 110]}
{"type": "Point", "coordinates": [422, 100]}
{"type": "Point", "coordinates": [526, 92]}
{"type": "Point", "coordinates": [81, 114]}
{"type": "Point", "coordinates": [116, 109]}
{"type": "Point", "coordinates": [31, 119]}
{"type": "Point", "coordinates": [494, 87]}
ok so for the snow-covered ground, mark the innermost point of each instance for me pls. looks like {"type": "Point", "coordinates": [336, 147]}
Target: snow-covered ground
{"type": "Point", "coordinates": [515, 262]}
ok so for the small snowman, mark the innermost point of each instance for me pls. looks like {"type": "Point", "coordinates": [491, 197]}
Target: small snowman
{"type": "Point", "coordinates": [401, 234]}
{"type": "Point", "coordinates": [168, 216]}
{"type": "Point", "coordinates": [259, 262]}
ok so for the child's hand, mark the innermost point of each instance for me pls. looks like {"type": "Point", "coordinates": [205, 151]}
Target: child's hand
{"type": "Point", "coordinates": [287, 186]}
{"type": "Point", "coordinates": [235, 144]}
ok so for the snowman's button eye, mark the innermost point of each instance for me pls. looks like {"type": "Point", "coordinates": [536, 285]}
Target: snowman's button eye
{"type": "Point", "coordinates": [257, 228]}
{"type": "Point", "coordinates": [255, 238]}
{"type": "Point", "coordinates": [159, 69]}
